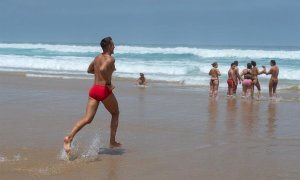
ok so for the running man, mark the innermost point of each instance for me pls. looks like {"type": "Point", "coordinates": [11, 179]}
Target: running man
{"type": "Point", "coordinates": [102, 67]}
{"type": "Point", "coordinates": [274, 71]}
{"type": "Point", "coordinates": [214, 80]}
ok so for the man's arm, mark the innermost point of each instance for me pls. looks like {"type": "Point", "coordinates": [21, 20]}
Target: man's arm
{"type": "Point", "coordinates": [270, 71]}
{"type": "Point", "coordinates": [91, 69]}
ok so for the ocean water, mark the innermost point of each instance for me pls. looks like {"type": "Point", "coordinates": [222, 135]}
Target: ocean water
{"type": "Point", "coordinates": [178, 64]}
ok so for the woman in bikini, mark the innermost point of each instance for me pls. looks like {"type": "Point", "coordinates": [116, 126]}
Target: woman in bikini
{"type": "Point", "coordinates": [247, 83]}
{"type": "Point", "coordinates": [214, 80]}
{"type": "Point", "coordinates": [255, 73]}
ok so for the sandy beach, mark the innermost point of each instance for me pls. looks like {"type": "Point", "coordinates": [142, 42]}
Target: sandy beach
{"type": "Point", "coordinates": [167, 131]}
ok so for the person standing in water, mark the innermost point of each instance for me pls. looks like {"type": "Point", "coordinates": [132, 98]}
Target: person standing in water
{"type": "Point", "coordinates": [231, 80]}
{"type": "Point", "coordinates": [214, 80]}
{"type": "Point", "coordinates": [236, 77]}
{"type": "Point", "coordinates": [102, 67]}
{"type": "Point", "coordinates": [255, 73]}
{"type": "Point", "coordinates": [274, 71]}
{"type": "Point", "coordinates": [246, 75]}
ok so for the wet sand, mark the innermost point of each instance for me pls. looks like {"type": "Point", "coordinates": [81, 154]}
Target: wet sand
{"type": "Point", "coordinates": [168, 132]}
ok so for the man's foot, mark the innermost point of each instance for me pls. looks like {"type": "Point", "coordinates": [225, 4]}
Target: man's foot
{"type": "Point", "coordinates": [67, 144]}
{"type": "Point", "coordinates": [115, 145]}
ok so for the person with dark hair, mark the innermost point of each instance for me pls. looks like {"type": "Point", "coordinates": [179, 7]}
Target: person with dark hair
{"type": "Point", "coordinates": [255, 73]}
{"type": "Point", "coordinates": [231, 81]}
{"type": "Point", "coordinates": [247, 76]}
{"type": "Point", "coordinates": [236, 77]}
{"type": "Point", "coordinates": [141, 80]}
{"type": "Point", "coordinates": [274, 71]}
{"type": "Point", "coordinates": [214, 80]}
{"type": "Point", "coordinates": [102, 67]}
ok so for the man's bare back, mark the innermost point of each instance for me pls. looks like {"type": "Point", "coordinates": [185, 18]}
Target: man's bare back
{"type": "Point", "coordinates": [102, 67]}
{"type": "Point", "coordinates": [274, 71]}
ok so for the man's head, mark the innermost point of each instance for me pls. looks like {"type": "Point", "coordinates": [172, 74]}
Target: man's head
{"type": "Point", "coordinates": [249, 66]}
{"type": "Point", "coordinates": [232, 66]}
{"type": "Point", "coordinates": [215, 64]}
{"type": "Point", "coordinates": [107, 44]}
{"type": "Point", "coordinates": [236, 63]}
{"type": "Point", "coordinates": [272, 62]}
{"type": "Point", "coordinates": [142, 74]}
{"type": "Point", "coordinates": [253, 63]}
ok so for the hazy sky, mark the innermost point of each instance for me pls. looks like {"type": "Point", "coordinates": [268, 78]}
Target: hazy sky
{"type": "Point", "coordinates": [185, 22]}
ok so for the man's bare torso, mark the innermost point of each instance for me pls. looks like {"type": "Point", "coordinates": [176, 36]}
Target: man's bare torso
{"type": "Point", "coordinates": [274, 71]}
{"type": "Point", "coordinates": [102, 67]}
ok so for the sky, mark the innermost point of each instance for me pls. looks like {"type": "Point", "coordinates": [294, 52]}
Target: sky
{"type": "Point", "coordinates": [166, 22]}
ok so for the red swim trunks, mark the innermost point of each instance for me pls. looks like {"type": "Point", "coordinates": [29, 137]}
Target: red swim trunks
{"type": "Point", "coordinates": [99, 92]}
{"type": "Point", "coordinates": [230, 83]}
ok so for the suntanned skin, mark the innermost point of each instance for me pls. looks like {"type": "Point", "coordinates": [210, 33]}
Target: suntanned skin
{"type": "Point", "coordinates": [102, 67]}
{"type": "Point", "coordinates": [274, 71]}
{"type": "Point", "coordinates": [237, 78]}
{"type": "Point", "coordinates": [245, 89]}
{"type": "Point", "coordinates": [232, 75]}
{"type": "Point", "coordinates": [255, 73]}
{"type": "Point", "coordinates": [214, 83]}
{"type": "Point", "coordinates": [141, 80]}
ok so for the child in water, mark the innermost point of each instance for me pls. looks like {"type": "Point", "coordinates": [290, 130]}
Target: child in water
{"type": "Point", "coordinates": [141, 80]}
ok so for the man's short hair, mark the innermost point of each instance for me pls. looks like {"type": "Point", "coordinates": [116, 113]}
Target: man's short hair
{"type": "Point", "coordinates": [232, 64]}
{"type": "Point", "coordinates": [253, 63]}
{"type": "Point", "coordinates": [273, 62]}
{"type": "Point", "coordinates": [105, 42]}
{"type": "Point", "coordinates": [236, 63]}
{"type": "Point", "coordinates": [214, 64]}
{"type": "Point", "coordinates": [249, 66]}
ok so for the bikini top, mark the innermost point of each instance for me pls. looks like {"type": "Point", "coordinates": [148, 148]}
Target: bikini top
{"type": "Point", "coordinates": [248, 75]}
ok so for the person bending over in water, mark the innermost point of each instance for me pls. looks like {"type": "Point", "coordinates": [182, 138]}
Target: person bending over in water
{"type": "Point", "coordinates": [255, 73]}
{"type": "Point", "coordinates": [214, 80]}
{"type": "Point", "coordinates": [232, 81]}
{"type": "Point", "coordinates": [102, 67]}
{"type": "Point", "coordinates": [141, 80]}
{"type": "Point", "coordinates": [274, 71]}
{"type": "Point", "coordinates": [247, 76]}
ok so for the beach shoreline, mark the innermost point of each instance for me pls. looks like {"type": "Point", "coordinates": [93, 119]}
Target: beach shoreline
{"type": "Point", "coordinates": [168, 132]}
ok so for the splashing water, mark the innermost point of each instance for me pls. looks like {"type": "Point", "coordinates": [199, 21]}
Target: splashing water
{"type": "Point", "coordinates": [93, 151]}
{"type": "Point", "coordinates": [90, 154]}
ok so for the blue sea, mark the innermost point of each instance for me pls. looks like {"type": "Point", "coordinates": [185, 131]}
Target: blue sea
{"type": "Point", "coordinates": [178, 64]}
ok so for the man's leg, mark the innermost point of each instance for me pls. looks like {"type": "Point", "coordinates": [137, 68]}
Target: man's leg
{"type": "Point", "coordinates": [270, 88]}
{"type": "Point", "coordinates": [91, 109]}
{"type": "Point", "coordinates": [274, 88]}
{"type": "Point", "coordinates": [111, 104]}
{"type": "Point", "coordinates": [235, 88]}
{"type": "Point", "coordinates": [216, 87]}
{"type": "Point", "coordinates": [211, 89]}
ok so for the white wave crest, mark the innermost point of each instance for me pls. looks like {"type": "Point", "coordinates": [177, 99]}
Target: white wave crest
{"type": "Point", "coordinates": [201, 52]}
